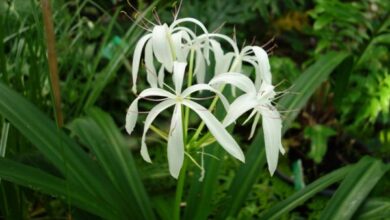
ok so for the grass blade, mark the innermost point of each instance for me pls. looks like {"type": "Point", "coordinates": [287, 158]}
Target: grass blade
{"type": "Point", "coordinates": [36, 179]}
{"type": "Point", "coordinates": [354, 189]}
{"type": "Point", "coordinates": [62, 151]}
{"type": "Point", "coordinates": [375, 208]}
{"type": "Point", "coordinates": [301, 196]}
{"type": "Point", "coordinates": [101, 134]}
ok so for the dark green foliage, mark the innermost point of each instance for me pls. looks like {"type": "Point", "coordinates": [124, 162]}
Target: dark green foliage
{"type": "Point", "coordinates": [333, 57]}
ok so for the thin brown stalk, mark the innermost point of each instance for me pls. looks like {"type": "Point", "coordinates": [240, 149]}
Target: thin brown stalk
{"type": "Point", "coordinates": [52, 59]}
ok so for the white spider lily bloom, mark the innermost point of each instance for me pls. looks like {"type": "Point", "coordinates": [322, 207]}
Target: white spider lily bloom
{"type": "Point", "coordinates": [259, 100]}
{"type": "Point", "coordinates": [166, 44]}
{"type": "Point", "coordinates": [175, 137]}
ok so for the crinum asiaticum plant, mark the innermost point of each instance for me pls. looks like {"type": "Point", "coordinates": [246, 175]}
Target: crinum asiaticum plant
{"type": "Point", "coordinates": [177, 51]}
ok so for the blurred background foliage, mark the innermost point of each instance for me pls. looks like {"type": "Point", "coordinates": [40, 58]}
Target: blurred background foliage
{"type": "Point", "coordinates": [347, 117]}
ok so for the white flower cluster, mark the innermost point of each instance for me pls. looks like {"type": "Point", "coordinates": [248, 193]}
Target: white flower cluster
{"type": "Point", "coordinates": [170, 48]}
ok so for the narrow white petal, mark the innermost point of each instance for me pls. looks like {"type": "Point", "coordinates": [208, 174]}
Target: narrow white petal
{"type": "Point", "coordinates": [253, 113]}
{"type": "Point", "coordinates": [258, 76]}
{"type": "Point", "coordinates": [180, 48]}
{"type": "Point", "coordinates": [272, 128]}
{"type": "Point", "coordinates": [177, 44]}
{"type": "Point", "coordinates": [151, 73]}
{"type": "Point", "coordinates": [218, 56]}
{"type": "Point", "coordinates": [189, 34]}
{"type": "Point", "coordinates": [137, 59]}
{"type": "Point", "coordinates": [178, 75]}
{"type": "Point", "coordinates": [161, 76]}
{"type": "Point", "coordinates": [176, 143]}
{"type": "Point", "coordinates": [200, 87]}
{"type": "Point", "coordinates": [200, 67]}
{"type": "Point", "coordinates": [217, 130]}
{"type": "Point", "coordinates": [131, 116]}
{"type": "Point", "coordinates": [156, 92]}
{"type": "Point", "coordinates": [205, 39]}
{"type": "Point", "coordinates": [132, 112]}
{"type": "Point", "coordinates": [254, 125]}
{"type": "Point", "coordinates": [240, 105]}
{"type": "Point", "coordinates": [238, 80]}
{"type": "Point", "coordinates": [148, 122]}
{"type": "Point", "coordinates": [265, 68]}
{"type": "Point", "coordinates": [221, 36]}
{"type": "Point", "coordinates": [226, 62]}
{"type": "Point", "coordinates": [161, 46]}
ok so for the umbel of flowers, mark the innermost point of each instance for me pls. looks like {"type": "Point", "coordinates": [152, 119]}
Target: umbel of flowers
{"type": "Point", "coordinates": [174, 53]}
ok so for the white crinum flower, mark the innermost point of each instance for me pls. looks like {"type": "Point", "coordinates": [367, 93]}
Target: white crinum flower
{"type": "Point", "coordinates": [259, 99]}
{"type": "Point", "coordinates": [169, 44]}
{"type": "Point", "coordinates": [175, 137]}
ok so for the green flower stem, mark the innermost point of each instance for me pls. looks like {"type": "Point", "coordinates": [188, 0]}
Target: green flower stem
{"type": "Point", "coordinates": [189, 83]}
{"type": "Point", "coordinates": [211, 108]}
{"type": "Point", "coordinates": [179, 190]}
{"type": "Point", "coordinates": [182, 176]}
{"type": "Point", "coordinates": [159, 132]}
{"type": "Point", "coordinates": [201, 126]}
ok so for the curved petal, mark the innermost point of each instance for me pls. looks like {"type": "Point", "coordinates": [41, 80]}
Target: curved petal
{"type": "Point", "coordinates": [181, 49]}
{"type": "Point", "coordinates": [151, 73]}
{"type": "Point", "coordinates": [218, 56]}
{"type": "Point", "coordinates": [137, 59]}
{"type": "Point", "coordinates": [221, 36]}
{"type": "Point", "coordinates": [258, 76]}
{"type": "Point", "coordinates": [156, 110]}
{"type": "Point", "coordinates": [186, 30]}
{"type": "Point", "coordinates": [132, 112]}
{"type": "Point", "coordinates": [254, 125]}
{"type": "Point", "coordinates": [156, 92]}
{"type": "Point", "coordinates": [217, 130]}
{"type": "Point", "coordinates": [265, 68]}
{"type": "Point", "coordinates": [176, 143]}
{"type": "Point", "coordinates": [238, 80]}
{"type": "Point", "coordinates": [200, 66]}
{"type": "Point", "coordinates": [272, 128]}
{"type": "Point", "coordinates": [161, 76]}
{"type": "Point", "coordinates": [241, 105]}
{"type": "Point", "coordinates": [206, 38]}
{"type": "Point", "coordinates": [200, 87]}
{"type": "Point", "coordinates": [162, 46]}
{"type": "Point", "coordinates": [178, 75]}
{"type": "Point", "coordinates": [131, 116]}
{"type": "Point", "coordinates": [227, 61]}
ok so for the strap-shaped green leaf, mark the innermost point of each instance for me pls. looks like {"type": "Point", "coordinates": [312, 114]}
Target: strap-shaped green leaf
{"type": "Point", "coordinates": [100, 133]}
{"type": "Point", "coordinates": [374, 209]}
{"type": "Point", "coordinates": [306, 193]}
{"type": "Point", "coordinates": [38, 180]}
{"type": "Point", "coordinates": [63, 152]}
{"type": "Point", "coordinates": [354, 189]}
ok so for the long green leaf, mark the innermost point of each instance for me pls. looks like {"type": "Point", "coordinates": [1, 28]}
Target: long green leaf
{"type": "Point", "coordinates": [101, 134]}
{"type": "Point", "coordinates": [305, 86]}
{"type": "Point", "coordinates": [374, 209]}
{"type": "Point", "coordinates": [354, 189]}
{"type": "Point", "coordinates": [36, 179]}
{"type": "Point", "coordinates": [306, 193]}
{"type": "Point", "coordinates": [62, 151]}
